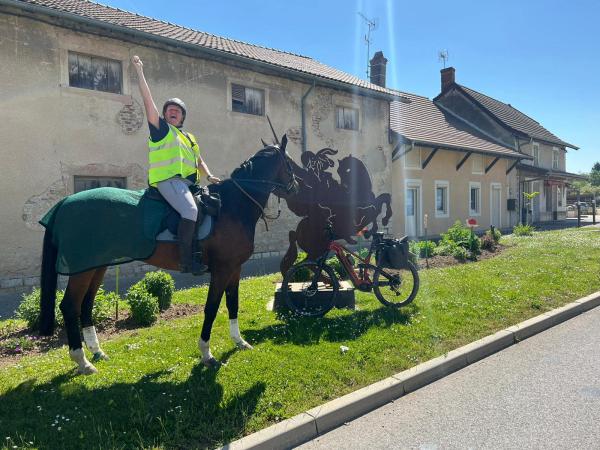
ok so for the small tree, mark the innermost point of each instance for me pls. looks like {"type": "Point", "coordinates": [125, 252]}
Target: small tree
{"type": "Point", "coordinates": [595, 175]}
{"type": "Point", "coordinates": [529, 202]}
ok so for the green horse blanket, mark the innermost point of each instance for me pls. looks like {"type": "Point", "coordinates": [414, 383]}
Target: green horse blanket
{"type": "Point", "coordinates": [104, 226]}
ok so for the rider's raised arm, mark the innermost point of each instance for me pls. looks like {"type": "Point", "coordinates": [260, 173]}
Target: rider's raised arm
{"type": "Point", "coordinates": [151, 111]}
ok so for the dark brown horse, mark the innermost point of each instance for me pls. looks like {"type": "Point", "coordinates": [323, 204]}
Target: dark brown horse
{"type": "Point", "coordinates": [243, 199]}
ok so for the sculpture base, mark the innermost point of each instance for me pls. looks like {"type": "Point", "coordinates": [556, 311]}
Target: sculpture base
{"type": "Point", "coordinates": [344, 299]}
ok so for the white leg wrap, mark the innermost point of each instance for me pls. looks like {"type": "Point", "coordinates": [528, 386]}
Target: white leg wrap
{"type": "Point", "coordinates": [234, 330]}
{"type": "Point", "coordinates": [91, 341]}
{"type": "Point", "coordinates": [205, 349]}
{"type": "Point", "coordinates": [84, 366]}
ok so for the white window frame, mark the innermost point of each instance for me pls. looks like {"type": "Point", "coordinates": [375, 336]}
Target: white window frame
{"type": "Point", "coordinates": [446, 185]}
{"type": "Point", "coordinates": [493, 186]}
{"type": "Point", "coordinates": [476, 170]}
{"type": "Point", "coordinates": [419, 166]}
{"type": "Point", "coordinates": [555, 158]}
{"type": "Point", "coordinates": [535, 152]}
{"type": "Point", "coordinates": [474, 184]}
{"type": "Point", "coordinates": [414, 183]}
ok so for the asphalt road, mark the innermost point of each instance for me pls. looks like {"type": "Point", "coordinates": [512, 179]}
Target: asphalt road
{"type": "Point", "coordinates": [543, 393]}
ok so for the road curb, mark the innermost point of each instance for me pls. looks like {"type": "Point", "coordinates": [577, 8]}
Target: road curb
{"type": "Point", "coordinates": [317, 421]}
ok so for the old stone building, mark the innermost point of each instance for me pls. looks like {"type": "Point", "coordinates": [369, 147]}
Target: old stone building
{"type": "Point", "coordinates": [74, 118]}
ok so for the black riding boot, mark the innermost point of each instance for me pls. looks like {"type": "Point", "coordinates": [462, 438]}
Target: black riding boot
{"type": "Point", "coordinates": [185, 235]}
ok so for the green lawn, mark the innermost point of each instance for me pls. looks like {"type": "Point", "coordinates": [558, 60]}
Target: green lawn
{"type": "Point", "coordinates": [154, 393]}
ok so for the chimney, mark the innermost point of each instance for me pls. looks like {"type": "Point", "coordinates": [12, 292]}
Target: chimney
{"type": "Point", "coordinates": [378, 63]}
{"type": "Point", "coordinates": [447, 78]}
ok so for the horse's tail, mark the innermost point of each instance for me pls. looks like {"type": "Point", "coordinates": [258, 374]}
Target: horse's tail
{"type": "Point", "coordinates": [384, 199]}
{"type": "Point", "coordinates": [290, 256]}
{"type": "Point", "coordinates": [48, 281]}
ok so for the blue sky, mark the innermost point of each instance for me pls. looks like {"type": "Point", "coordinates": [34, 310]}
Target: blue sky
{"type": "Point", "coordinates": [542, 57]}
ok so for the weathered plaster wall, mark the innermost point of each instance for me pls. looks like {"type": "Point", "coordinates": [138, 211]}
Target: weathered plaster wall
{"type": "Point", "coordinates": [56, 131]}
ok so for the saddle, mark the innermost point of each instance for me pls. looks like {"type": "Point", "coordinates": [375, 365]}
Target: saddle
{"type": "Point", "coordinates": [209, 206]}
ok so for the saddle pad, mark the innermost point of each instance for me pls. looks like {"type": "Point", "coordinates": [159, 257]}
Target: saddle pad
{"type": "Point", "coordinates": [203, 231]}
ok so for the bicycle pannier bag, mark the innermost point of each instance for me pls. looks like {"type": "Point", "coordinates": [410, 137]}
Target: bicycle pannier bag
{"type": "Point", "coordinates": [394, 255]}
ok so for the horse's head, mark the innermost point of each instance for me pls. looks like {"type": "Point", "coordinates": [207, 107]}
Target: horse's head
{"type": "Point", "coordinates": [272, 166]}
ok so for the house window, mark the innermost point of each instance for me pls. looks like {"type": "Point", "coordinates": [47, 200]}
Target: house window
{"type": "Point", "coordinates": [347, 118]}
{"type": "Point", "coordinates": [95, 73]}
{"type": "Point", "coordinates": [478, 164]}
{"type": "Point", "coordinates": [441, 199]}
{"type": "Point", "coordinates": [247, 100]}
{"type": "Point", "coordinates": [536, 154]}
{"type": "Point", "coordinates": [474, 199]}
{"type": "Point", "coordinates": [412, 159]}
{"type": "Point", "coordinates": [84, 183]}
{"type": "Point", "coordinates": [555, 158]}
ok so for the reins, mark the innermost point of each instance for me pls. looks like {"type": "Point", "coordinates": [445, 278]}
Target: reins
{"type": "Point", "coordinates": [263, 214]}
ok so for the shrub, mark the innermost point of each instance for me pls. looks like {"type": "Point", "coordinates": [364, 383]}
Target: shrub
{"type": "Point", "coordinates": [104, 305]}
{"type": "Point", "coordinates": [414, 248]}
{"type": "Point", "coordinates": [460, 253]}
{"type": "Point", "coordinates": [458, 233]}
{"type": "Point", "coordinates": [426, 249]}
{"type": "Point", "coordinates": [161, 285]}
{"type": "Point", "coordinates": [488, 242]}
{"type": "Point", "coordinates": [144, 306]}
{"type": "Point", "coordinates": [523, 230]}
{"type": "Point", "coordinates": [445, 248]}
{"type": "Point", "coordinates": [29, 309]}
{"type": "Point", "coordinates": [474, 246]}
{"type": "Point", "coordinates": [496, 236]}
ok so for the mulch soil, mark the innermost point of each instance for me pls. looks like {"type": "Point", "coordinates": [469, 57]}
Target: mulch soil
{"type": "Point", "coordinates": [108, 329]}
{"type": "Point", "coordinates": [111, 328]}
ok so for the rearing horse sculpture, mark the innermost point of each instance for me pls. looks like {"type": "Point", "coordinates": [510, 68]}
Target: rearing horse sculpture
{"type": "Point", "coordinates": [243, 198]}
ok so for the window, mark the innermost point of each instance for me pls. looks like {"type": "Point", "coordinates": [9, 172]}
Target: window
{"type": "Point", "coordinates": [347, 118]}
{"type": "Point", "coordinates": [247, 100]}
{"type": "Point", "coordinates": [441, 199]}
{"type": "Point", "coordinates": [478, 164]}
{"type": "Point", "coordinates": [412, 159]}
{"type": "Point", "coordinates": [85, 183]}
{"type": "Point", "coordinates": [95, 73]}
{"type": "Point", "coordinates": [555, 158]}
{"type": "Point", "coordinates": [474, 199]}
{"type": "Point", "coordinates": [536, 154]}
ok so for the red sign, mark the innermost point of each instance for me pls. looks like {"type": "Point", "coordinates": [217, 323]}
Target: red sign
{"type": "Point", "coordinates": [471, 222]}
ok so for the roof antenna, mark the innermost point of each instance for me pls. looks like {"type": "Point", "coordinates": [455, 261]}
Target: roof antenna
{"type": "Point", "coordinates": [443, 57]}
{"type": "Point", "coordinates": [373, 24]}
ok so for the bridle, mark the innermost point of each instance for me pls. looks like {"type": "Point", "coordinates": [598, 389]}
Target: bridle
{"type": "Point", "coordinates": [273, 185]}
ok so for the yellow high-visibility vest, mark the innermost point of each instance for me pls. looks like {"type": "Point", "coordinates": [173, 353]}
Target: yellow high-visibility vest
{"type": "Point", "coordinates": [173, 155]}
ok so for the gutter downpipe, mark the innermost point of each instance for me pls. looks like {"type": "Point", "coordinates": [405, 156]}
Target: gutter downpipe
{"type": "Point", "coordinates": [303, 118]}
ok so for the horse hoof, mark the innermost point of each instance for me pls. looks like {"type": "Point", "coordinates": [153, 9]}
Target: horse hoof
{"type": "Point", "coordinates": [87, 370]}
{"type": "Point", "coordinates": [211, 363]}
{"type": "Point", "coordinates": [100, 356]}
{"type": "Point", "coordinates": [243, 345]}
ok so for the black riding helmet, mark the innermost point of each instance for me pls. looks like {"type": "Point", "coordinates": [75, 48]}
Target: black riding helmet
{"type": "Point", "coordinates": [177, 102]}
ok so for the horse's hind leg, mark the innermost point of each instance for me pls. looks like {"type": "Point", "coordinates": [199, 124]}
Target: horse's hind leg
{"type": "Point", "coordinates": [87, 324]}
{"type": "Point", "coordinates": [71, 309]}
{"type": "Point", "coordinates": [232, 301]}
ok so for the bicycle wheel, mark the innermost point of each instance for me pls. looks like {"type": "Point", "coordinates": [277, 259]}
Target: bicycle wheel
{"type": "Point", "coordinates": [394, 287]}
{"type": "Point", "coordinates": [310, 290]}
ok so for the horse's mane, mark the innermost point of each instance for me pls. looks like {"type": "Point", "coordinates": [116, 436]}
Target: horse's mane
{"type": "Point", "coordinates": [245, 169]}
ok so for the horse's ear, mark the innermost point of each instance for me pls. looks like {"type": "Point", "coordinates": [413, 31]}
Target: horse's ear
{"type": "Point", "coordinates": [264, 143]}
{"type": "Point", "coordinates": [283, 142]}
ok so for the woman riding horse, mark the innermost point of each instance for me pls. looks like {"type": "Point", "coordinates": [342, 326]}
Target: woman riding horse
{"type": "Point", "coordinates": [243, 198]}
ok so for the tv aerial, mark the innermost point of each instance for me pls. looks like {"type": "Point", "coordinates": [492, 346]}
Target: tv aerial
{"type": "Point", "coordinates": [372, 25]}
{"type": "Point", "coordinates": [443, 57]}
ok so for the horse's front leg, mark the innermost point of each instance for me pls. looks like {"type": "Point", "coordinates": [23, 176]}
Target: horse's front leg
{"type": "Point", "coordinates": [232, 301]}
{"type": "Point", "coordinates": [87, 324]}
{"type": "Point", "coordinates": [218, 281]}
